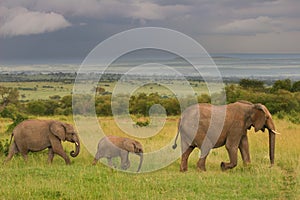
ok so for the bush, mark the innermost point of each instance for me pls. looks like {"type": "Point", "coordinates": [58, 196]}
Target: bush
{"type": "Point", "coordinates": [281, 114]}
{"type": "Point", "coordinates": [103, 105]}
{"type": "Point", "coordinates": [294, 117]}
{"type": "Point", "coordinates": [16, 120]}
{"type": "Point", "coordinates": [83, 104]}
{"type": "Point", "coordinates": [282, 84]}
{"type": "Point", "coordinates": [296, 87]}
{"type": "Point", "coordinates": [204, 98]}
{"type": "Point", "coordinates": [281, 100]}
{"type": "Point", "coordinates": [254, 84]}
{"type": "Point", "coordinates": [36, 108]}
{"type": "Point", "coordinates": [4, 147]}
{"type": "Point", "coordinates": [142, 123]}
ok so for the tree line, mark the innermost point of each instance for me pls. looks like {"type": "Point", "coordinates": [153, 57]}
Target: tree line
{"type": "Point", "coordinates": [282, 98]}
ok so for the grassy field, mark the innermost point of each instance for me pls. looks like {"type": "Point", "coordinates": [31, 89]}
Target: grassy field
{"type": "Point", "coordinates": [38, 180]}
{"type": "Point", "coordinates": [44, 90]}
{"type": "Point", "coordinates": [39, 90]}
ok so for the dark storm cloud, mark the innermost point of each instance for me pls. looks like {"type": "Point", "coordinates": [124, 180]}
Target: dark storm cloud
{"type": "Point", "coordinates": [71, 28]}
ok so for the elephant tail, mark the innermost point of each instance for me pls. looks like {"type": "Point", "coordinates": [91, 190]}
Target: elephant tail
{"type": "Point", "coordinates": [11, 137]}
{"type": "Point", "coordinates": [175, 145]}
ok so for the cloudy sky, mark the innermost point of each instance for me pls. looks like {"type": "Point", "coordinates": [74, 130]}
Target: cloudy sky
{"type": "Point", "coordinates": [68, 29]}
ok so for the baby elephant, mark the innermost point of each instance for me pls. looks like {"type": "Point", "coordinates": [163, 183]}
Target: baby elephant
{"type": "Point", "coordinates": [114, 146]}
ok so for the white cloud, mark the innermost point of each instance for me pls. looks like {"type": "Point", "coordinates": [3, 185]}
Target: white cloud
{"type": "Point", "coordinates": [222, 21]}
{"type": "Point", "coordinates": [251, 26]}
{"type": "Point", "coordinates": [102, 9]}
{"type": "Point", "coordinates": [152, 11]}
{"type": "Point", "coordinates": [21, 21]}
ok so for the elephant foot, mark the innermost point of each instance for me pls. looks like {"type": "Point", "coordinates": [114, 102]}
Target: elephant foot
{"type": "Point", "coordinates": [183, 167]}
{"type": "Point", "coordinates": [201, 165]}
{"type": "Point", "coordinates": [247, 163]}
{"type": "Point", "coordinates": [68, 163]}
{"type": "Point", "coordinates": [223, 166]}
{"type": "Point", "coordinates": [125, 167]}
{"type": "Point", "coordinates": [94, 162]}
{"type": "Point", "coordinates": [201, 169]}
{"type": "Point", "coordinates": [183, 170]}
{"type": "Point", "coordinates": [226, 166]}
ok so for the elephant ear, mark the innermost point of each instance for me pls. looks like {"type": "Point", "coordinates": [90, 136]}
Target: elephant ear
{"type": "Point", "coordinates": [129, 145]}
{"type": "Point", "coordinates": [258, 117]}
{"type": "Point", "coordinates": [59, 130]}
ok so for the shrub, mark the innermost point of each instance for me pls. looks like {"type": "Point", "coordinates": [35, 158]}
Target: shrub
{"type": "Point", "coordinates": [254, 84]}
{"type": "Point", "coordinates": [296, 87]}
{"type": "Point", "coordinates": [142, 123]}
{"type": "Point", "coordinates": [294, 117]}
{"type": "Point", "coordinates": [282, 84]}
{"type": "Point", "coordinates": [16, 120]}
{"type": "Point", "coordinates": [36, 108]}
{"type": "Point", "coordinates": [281, 114]}
{"type": "Point", "coordinates": [4, 147]}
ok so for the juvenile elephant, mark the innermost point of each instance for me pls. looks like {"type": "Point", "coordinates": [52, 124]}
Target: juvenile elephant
{"type": "Point", "coordinates": [114, 146]}
{"type": "Point", "coordinates": [240, 116]}
{"type": "Point", "coordinates": [36, 135]}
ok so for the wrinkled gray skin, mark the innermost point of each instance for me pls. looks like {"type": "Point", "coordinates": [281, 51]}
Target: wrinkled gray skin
{"type": "Point", "coordinates": [114, 146]}
{"type": "Point", "coordinates": [240, 116]}
{"type": "Point", "coordinates": [37, 135]}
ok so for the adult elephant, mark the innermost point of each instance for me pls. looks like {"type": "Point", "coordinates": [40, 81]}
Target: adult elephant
{"type": "Point", "coordinates": [240, 116]}
{"type": "Point", "coordinates": [36, 135]}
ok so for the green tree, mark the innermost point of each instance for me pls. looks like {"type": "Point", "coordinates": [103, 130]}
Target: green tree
{"type": "Point", "coordinates": [36, 108]}
{"type": "Point", "coordinates": [51, 106]}
{"type": "Point", "coordinates": [10, 107]}
{"type": "Point", "coordinates": [233, 93]}
{"type": "Point", "coordinates": [254, 84]}
{"type": "Point", "coordinates": [66, 101]}
{"type": "Point", "coordinates": [83, 104]}
{"type": "Point", "coordinates": [282, 84]}
{"type": "Point", "coordinates": [8, 96]}
{"type": "Point", "coordinates": [204, 98]}
{"type": "Point", "coordinates": [296, 87]}
{"type": "Point", "coordinates": [103, 105]}
{"type": "Point", "coordinates": [172, 106]}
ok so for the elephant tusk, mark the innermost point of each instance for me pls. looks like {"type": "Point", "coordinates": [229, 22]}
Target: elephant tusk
{"type": "Point", "coordinates": [275, 132]}
{"type": "Point", "coordinates": [76, 143]}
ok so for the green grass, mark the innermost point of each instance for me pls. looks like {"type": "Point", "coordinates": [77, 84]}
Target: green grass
{"type": "Point", "coordinates": [38, 180]}
{"type": "Point", "coordinates": [40, 90]}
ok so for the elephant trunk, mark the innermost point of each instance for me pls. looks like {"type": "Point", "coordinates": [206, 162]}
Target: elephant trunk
{"type": "Point", "coordinates": [272, 132]}
{"type": "Point", "coordinates": [141, 161]}
{"type": "Point", "coordinates": [271, 146]}
{"type": "Point", "coordinates": [77, 150]}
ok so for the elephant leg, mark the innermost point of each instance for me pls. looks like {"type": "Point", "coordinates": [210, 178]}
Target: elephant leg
{"type": "Point", "coordinates": [50, 155]}
{"type": "Point", "coordinates": [12, 151]}
{"type": "Point", "coordinates": [110, 162]}
{"type": "Point", "coordinates": [58, 149]}
{"type": "Point", "coordinates": [184, 159]}
{"type": "Point", "coordinates": [244, 149]}
{"type": "Point", "coordinates": [97, 157]}
{"type": "Point", "coordinates": [201, 163]}
{"type": "Point", "coordinates": [24, 154]}
{"type": "Point", "coordinates": [232, 152]}
{"type": "Point", "coordinates": [94, 161]}
{"type": "Point", "coordinates": [125, 163]}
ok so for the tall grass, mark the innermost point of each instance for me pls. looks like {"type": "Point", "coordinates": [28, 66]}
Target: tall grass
{"type": "Point", "coordinates": [38, 180]}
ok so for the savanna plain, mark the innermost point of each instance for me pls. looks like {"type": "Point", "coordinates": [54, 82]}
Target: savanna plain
{"type": "Point", "coordinates": [36, 179]}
